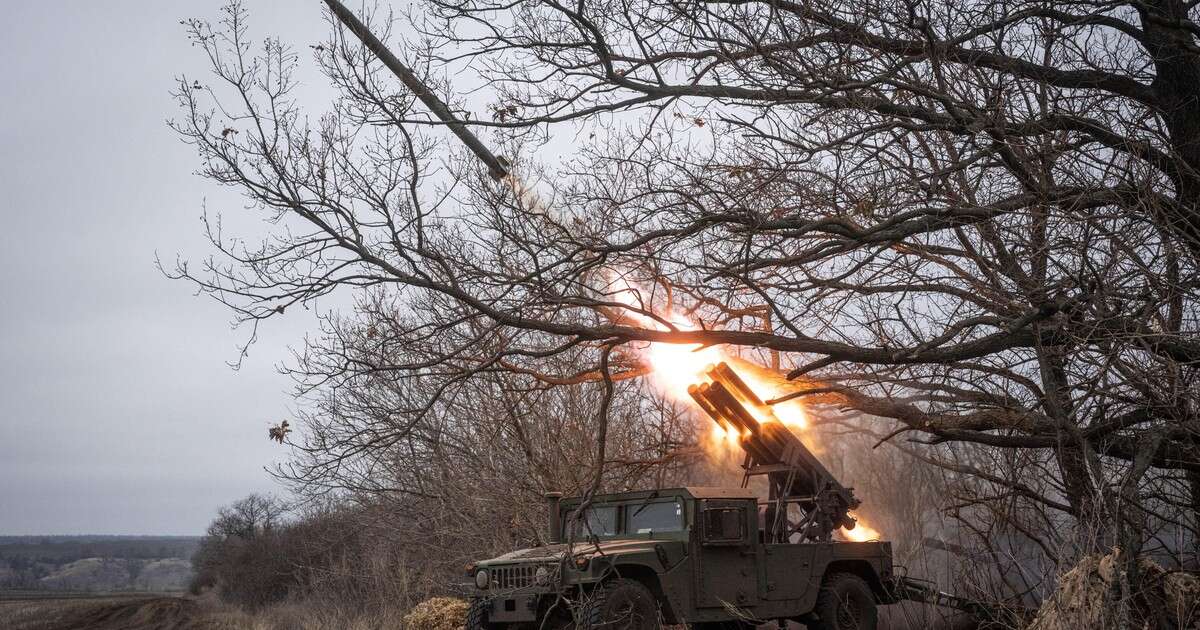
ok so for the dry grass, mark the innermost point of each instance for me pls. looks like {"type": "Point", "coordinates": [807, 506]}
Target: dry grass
{"type": "Point", "coordinates": [300, 616]}
{"type": "Point", "coordinates": [1079, 601]}
{"type": "Point", "coordinates": [207, 613]}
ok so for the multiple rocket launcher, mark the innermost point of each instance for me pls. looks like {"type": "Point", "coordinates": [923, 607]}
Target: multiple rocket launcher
{"type": "Point", "coordinates": [795, 476]}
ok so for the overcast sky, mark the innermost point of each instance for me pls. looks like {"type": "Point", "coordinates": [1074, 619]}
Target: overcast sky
{"type": "Point", "coordinates": [118, 412]}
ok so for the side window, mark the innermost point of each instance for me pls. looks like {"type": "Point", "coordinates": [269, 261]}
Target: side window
{"type": "Point", "coordinates": [654, 517]}
{"type": "Point", "coordinates": [724, 525]}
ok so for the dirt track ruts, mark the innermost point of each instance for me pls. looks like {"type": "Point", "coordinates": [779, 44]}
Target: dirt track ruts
{"type": "Point", "coordinates": [110, 613]}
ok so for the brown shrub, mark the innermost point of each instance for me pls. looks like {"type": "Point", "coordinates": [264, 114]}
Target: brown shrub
{"type": "Point", "coordinates": [1083, 598]}
{"type": "Point", "coordinates": [439, 613]}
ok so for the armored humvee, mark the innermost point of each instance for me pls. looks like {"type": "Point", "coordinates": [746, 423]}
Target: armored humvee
{"type": "Point", "coordinates": [714, 558]}
{"type": "Point", "coordinates": [700, 556]}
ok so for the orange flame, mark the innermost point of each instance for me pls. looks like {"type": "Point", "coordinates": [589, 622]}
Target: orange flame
{"type": "Point", "coordinates": [677, 366]}
{"type": "Point", "coordinates": [674, 367]}
{"type": "Point", "coordinates": [861, 533]}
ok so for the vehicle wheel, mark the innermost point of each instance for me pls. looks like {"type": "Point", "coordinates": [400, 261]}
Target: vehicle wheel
{"type": "Point", "coordinates": [477, 615]}
{"type": "Point", "coordinates": [620, 604]}
{"type": "Point", "coordinates": [845, 603]}
{"type": "Point", "coordinates": [556, 617]}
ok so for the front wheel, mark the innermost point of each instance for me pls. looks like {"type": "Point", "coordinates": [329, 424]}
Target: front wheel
{"type": "Point", "coordinates": [620, 604]}
{"type": "Point", "coordinates": [845, 603]}
{"type": "Point", "coordinates": [477, 615]}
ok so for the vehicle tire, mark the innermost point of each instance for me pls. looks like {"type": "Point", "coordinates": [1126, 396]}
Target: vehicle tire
{"type": "Point", "coordinates": [619, 604]}
{"type": "Point", "coordinates": [554, 618]}
{"type": "Point", "coordinates": [477, 615]}
{"type": "Point", "coordinates": [845, 602]}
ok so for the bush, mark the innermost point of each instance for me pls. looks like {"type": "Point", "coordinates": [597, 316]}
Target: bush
{"type": "Point", "coordinates": [439, 613]}
{"type": "Point", "coordinates": [1083, 598]}
{"type": "Point", "coordinates": [245, 555]}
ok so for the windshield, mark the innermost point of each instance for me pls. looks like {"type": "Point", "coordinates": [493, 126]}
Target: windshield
{"type": "Point", "coordinates": [626, 519]}
{"type": "Point", "coordinates": [655, 517]}
{"type": "Point", "coordinates": [597, 521]}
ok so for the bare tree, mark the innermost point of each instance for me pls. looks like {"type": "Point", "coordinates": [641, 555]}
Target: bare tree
{"type": "Point", "coordinates": [967, 223]}
{"type": "Point", "coordinates": [248, 518]}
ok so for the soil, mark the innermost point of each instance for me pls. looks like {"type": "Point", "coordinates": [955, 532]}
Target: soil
{"type": "Point", "coordinates": [106, 613]}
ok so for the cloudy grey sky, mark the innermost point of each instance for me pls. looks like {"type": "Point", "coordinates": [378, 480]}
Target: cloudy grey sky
{"type": "Point", "coordinates": [118, 413]}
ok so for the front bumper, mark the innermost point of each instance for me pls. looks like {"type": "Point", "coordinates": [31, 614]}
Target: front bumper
{"type": "Point", "coordinates": [515, 595]}
{"type": "Point", "coordinates": [511, 607]}
{"type": "Point", "coordinates": [522, 604]}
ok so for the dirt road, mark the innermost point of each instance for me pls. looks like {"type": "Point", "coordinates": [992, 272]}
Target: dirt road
{"type": "Point", "coordinates": [110, 612]}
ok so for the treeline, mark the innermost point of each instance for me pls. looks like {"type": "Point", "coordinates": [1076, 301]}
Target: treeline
{"type": "Point", "coordinates": [252, 554]}
{"type": "Point", "coordinates": [259, 552]}
{"type": "Point", "coordinates": [64, 549]}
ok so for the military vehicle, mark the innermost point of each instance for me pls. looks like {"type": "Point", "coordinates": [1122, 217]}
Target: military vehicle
{"type": "Point", "coordinates": [714, 558]}
{"type": "Point", "coordinates": [702, 556]}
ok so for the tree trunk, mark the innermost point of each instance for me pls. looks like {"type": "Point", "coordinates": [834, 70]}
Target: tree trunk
{"type": "Point", "coordinates": [1177, 86]}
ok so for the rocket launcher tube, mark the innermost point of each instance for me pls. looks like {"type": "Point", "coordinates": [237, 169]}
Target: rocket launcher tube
{"type": "Point", "coordinates": [497, 167]}
{"type": "Point", "coordinates": [699, 393]}
{"type": "Point", "coordinates": [788, 453]}
{"type": "Point", "coordinates": [722, 373]}
{"type": "Point", "coordinates": [748, 429]}
{"type": "Point", "coordinates": [728, 400]}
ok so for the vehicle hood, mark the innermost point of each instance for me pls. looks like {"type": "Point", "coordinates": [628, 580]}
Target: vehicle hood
{"type": "Point", "coordinates": [553, 553]}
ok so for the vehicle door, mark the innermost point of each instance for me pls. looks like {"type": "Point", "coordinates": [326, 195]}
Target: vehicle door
{"type": "Point", "coordinates": [788, 570]}
{"type": "Point", "coordinates": [727, 561]}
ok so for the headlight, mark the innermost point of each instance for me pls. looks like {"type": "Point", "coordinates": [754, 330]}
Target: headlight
{"type": "Point", "coordinates": [481, 579]}
{"type": "Point", "coordinates": [542, 575]}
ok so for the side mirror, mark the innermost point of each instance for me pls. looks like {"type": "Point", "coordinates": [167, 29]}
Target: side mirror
{"type": "Point", "coordinates": [724, 526]}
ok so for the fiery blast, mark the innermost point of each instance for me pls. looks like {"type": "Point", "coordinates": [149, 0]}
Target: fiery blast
{"type": "Point", "coordinates": [674, 367]}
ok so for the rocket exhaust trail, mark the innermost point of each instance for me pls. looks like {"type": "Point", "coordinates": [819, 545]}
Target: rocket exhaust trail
{"type": "Point", "coordinates": [497, 167]}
